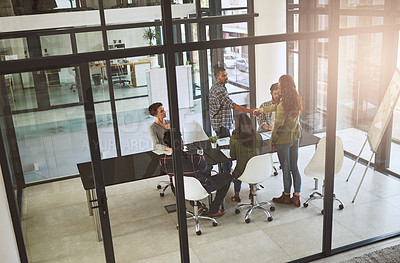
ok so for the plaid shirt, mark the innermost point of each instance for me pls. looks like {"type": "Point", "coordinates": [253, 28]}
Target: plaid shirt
{"type": "Point", "coordinates": [220, 106]}
{"type": "Point", "coordinates": [193, 165]}
{"type": "Point", "coordinates": [265, 118]}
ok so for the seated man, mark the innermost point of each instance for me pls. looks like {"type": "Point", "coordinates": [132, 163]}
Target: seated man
{"type": "Point", "coordinates": [266, 120]}
{"type": "Point", "coordinates": [194, 165]}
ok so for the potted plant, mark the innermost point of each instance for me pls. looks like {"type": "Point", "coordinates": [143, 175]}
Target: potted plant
{"type": "Point", "coordinates": [150, 35]}
{"type": "Point", "coordinates": [213, 140]}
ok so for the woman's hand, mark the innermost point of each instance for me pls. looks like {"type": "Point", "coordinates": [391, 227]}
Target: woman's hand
{"type": "Point", "coordinates": [167, 126]}
{"type": "Point", "coordinates": [168, 149]}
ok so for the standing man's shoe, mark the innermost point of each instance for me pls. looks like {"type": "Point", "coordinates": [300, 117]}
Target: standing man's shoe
{"type": "Point", "coordinates": [283, 199]}
{"type": "Point", "coordinates": [295, 200]}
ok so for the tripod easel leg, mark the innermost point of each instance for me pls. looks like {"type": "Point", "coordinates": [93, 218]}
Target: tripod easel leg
{"type": "Point", "coordinates": [362, 179]}
{"type": "Point", "coordinates": [356, 161]}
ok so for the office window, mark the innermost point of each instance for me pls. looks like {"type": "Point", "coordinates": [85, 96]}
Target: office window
{"type": "Point", "coordinates": [89, 42]}
{"type": "Point", "coordinates": [360, 21]}
{"type": "Point", "coordinates": [362, 4]}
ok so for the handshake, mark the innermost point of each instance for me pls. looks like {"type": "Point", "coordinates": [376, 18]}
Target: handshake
{"type": "Point", "coordinates": [255, 112]}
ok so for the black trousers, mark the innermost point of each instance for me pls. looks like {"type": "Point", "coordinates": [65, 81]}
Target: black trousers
{"type": "Point", "coordinates": [221, 182]}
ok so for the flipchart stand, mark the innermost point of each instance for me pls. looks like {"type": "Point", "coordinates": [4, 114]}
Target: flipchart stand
{"type": "Point", "coordinates": [380, 123]}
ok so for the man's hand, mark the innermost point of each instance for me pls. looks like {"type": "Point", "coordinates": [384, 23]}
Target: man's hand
{"type": "Point", "coordinates": [256, 112]}
{"type": "Point", "coordinates": [272, 147]}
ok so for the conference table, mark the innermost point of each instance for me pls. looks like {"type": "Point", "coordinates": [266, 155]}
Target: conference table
{"type": "Point", "coordinates": [145, 165]}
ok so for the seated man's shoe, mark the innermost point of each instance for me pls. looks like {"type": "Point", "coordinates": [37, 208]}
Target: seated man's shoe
{"type": "Point", "coordinates": [295, 200]}
{"type": "Point", "coordinates": [218, 214]}
{"type": "Point", "coordinates": [283, 199]}
{"type": "Point", "coordinates": [202, 209]}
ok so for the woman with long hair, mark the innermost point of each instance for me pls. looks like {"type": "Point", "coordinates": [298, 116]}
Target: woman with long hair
{"type": "Point", "coordinates": [286, 136]}
{"type": "Point", "coordinates": [159, 127]}
{"type": "Point", "coordinates": [244, 144]}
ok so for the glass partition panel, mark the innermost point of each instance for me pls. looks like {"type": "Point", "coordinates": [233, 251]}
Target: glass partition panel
{"type": "Point", "coordinates": [134, 37]}
{"type": "Point", "coordinates": [359, 85]}
{"type": "Point", "coordinates": [54, 213]}
{"type": "Point", "coordinates": [360, 21]}
{"type": "Point", "coordinates": [362, 4]}
{"type": "Point", "coordinates": [89, 42]}
{"type": "Point", "coordinates": [56, 45]}
{"type": "Point", "coordinates": [13, 48]}
{"type": "Point", "coordinates": [358, 101]}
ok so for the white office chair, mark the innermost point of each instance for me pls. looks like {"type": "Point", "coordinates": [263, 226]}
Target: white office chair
{"type": "Point", "coordinates": [257, 170]}
{"type": "Point", "coordinates": [193, 132]}
{"type": "Point", "coordinates": [316, 168]}
{"type": "Point", "coordinates": [195, 192]}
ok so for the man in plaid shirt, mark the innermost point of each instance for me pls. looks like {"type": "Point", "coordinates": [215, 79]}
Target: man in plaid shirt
{"type": "Point", "coordinates": [195, 165]}
{"type": "Point", "coordinates": [221, 106]}
{"type": "Point", "coordinates": [266, 120]}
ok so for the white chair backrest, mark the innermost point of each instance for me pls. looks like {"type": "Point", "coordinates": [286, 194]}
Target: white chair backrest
{"type": "Point", "coordinates": [316, 167]}
{"type": "Point", "coordinates": [258, 168]}
{"type": "Point", "coordinates": [193, 132]}
{"type": "Point", "coordinates": [193, 189]}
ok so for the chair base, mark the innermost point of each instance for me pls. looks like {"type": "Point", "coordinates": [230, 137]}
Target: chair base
{"type": "Point", "coordinates": [196, 217]}
{"type": "Point", "coordinates": [165, 187]}
{"type": "Point", "coordinates": [255, 205]}
{"type": "Point", "coordinates": [318, 195]}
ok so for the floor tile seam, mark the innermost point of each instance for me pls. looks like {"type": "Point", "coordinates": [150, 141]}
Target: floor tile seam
{"type": "Point", "coordinates": [52, 207]}
{"type": "Point", "coordinates": [287, 254]}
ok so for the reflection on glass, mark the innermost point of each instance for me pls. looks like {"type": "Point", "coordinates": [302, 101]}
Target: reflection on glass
{"type": "Point", "coordinates": [233, 3]}
{"type": "Point", "coordinates": [13, 48]}
{"type": "Point", "coordinates": [105, 130]}
{"type": "Point", "coordinates": [359, 77]}
{"type": "Point", "coordinates": [359, 21]}
{"type": "Point", "coordinates": [237, 66]}
{"type": "Point", "coordinates": [56, 45]}
{"type": "Point", "coordinates": [89, 42]}
{"type": "Point", "coordinates": [134, 37]}
{"type": "Point", "coordinates": [362, 4]}
{"type": "Point", "coordinates": [63, 85]}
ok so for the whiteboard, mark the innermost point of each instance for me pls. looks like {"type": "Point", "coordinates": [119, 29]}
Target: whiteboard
{"type": "Point", "coordinates": [158, 90]}
{"type": "Point", "coordinates": [385, 112]}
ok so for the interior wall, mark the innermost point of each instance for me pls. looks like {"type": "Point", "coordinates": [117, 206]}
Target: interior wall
{"type": "Point", "coordinates": [270, 58]}
{"type": "Point", "coordinates": [8, 245]}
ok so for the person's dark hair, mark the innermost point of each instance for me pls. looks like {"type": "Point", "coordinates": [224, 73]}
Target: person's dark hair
{"type": "Point", "coordinates": [244, 128]}
{"type": "Point", "coordinates": [153, 108]}
{"type": "Point", "coordinates": [218, 69]}
{"type": "Point", "coordinates": [167, 139]}
{"type": "Point", "coordinates": [273, 87]}
{"type": "Point", "coordinates": [291, 99]}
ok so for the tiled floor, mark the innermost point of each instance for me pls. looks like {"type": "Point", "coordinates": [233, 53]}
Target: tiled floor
{"type": "Point", "coordinates": [57, 226]}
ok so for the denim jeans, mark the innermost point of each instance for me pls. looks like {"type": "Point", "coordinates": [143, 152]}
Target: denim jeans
{"type": "Point", "coordinates": [223, 133]}
{"type": "Point", "coordinates": [288, 155]}
{"type": "Point", "coordinates": [237, 186]}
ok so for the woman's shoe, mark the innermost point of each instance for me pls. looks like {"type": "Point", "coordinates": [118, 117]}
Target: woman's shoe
{"type": "Point", "coordinates": [283, 199]}
{"type": "Point", "coordinates": [236, 198]}
{"type": "Point", "coordinates": [295, 200]}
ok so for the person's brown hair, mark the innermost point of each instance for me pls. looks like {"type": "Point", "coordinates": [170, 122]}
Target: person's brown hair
{"type": "Point", "coordinates": [291, 99]}
{"type": "Point", "coordinates": [153, 108]}
{"type": "Point", "coordinates": [244, 128]}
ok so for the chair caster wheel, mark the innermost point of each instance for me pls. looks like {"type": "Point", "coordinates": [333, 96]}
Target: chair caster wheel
{"type": "Point", "coordinates": [177, 226]}
{"type": "Point", "coordinates": [158, 186]}
{"type": "Point", "coordinates": [247, 220]}
{"type": "Point", "coordinates": [198, 233]}
{"type": "Point", "coordinates": [272, 208]}
{"type": "Point", "coordinates": [311, 195]}
{"type": "Point", "coordinates": [322, 211]}
{"type": "Point", "coordinates": [341, 206]}
{"type": "Point", "coordinates": [270, 219]}
{"type": "Point", "coordinates": [305, 205]}
{"type": "Point", "coordinates": [215, 224]}
{"type": "Point", "coordinates": [237, 211]}
{"type": "Point", "coordinates": [162, 194]}
{"type": "Point", "coordinates": [275, 173]}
